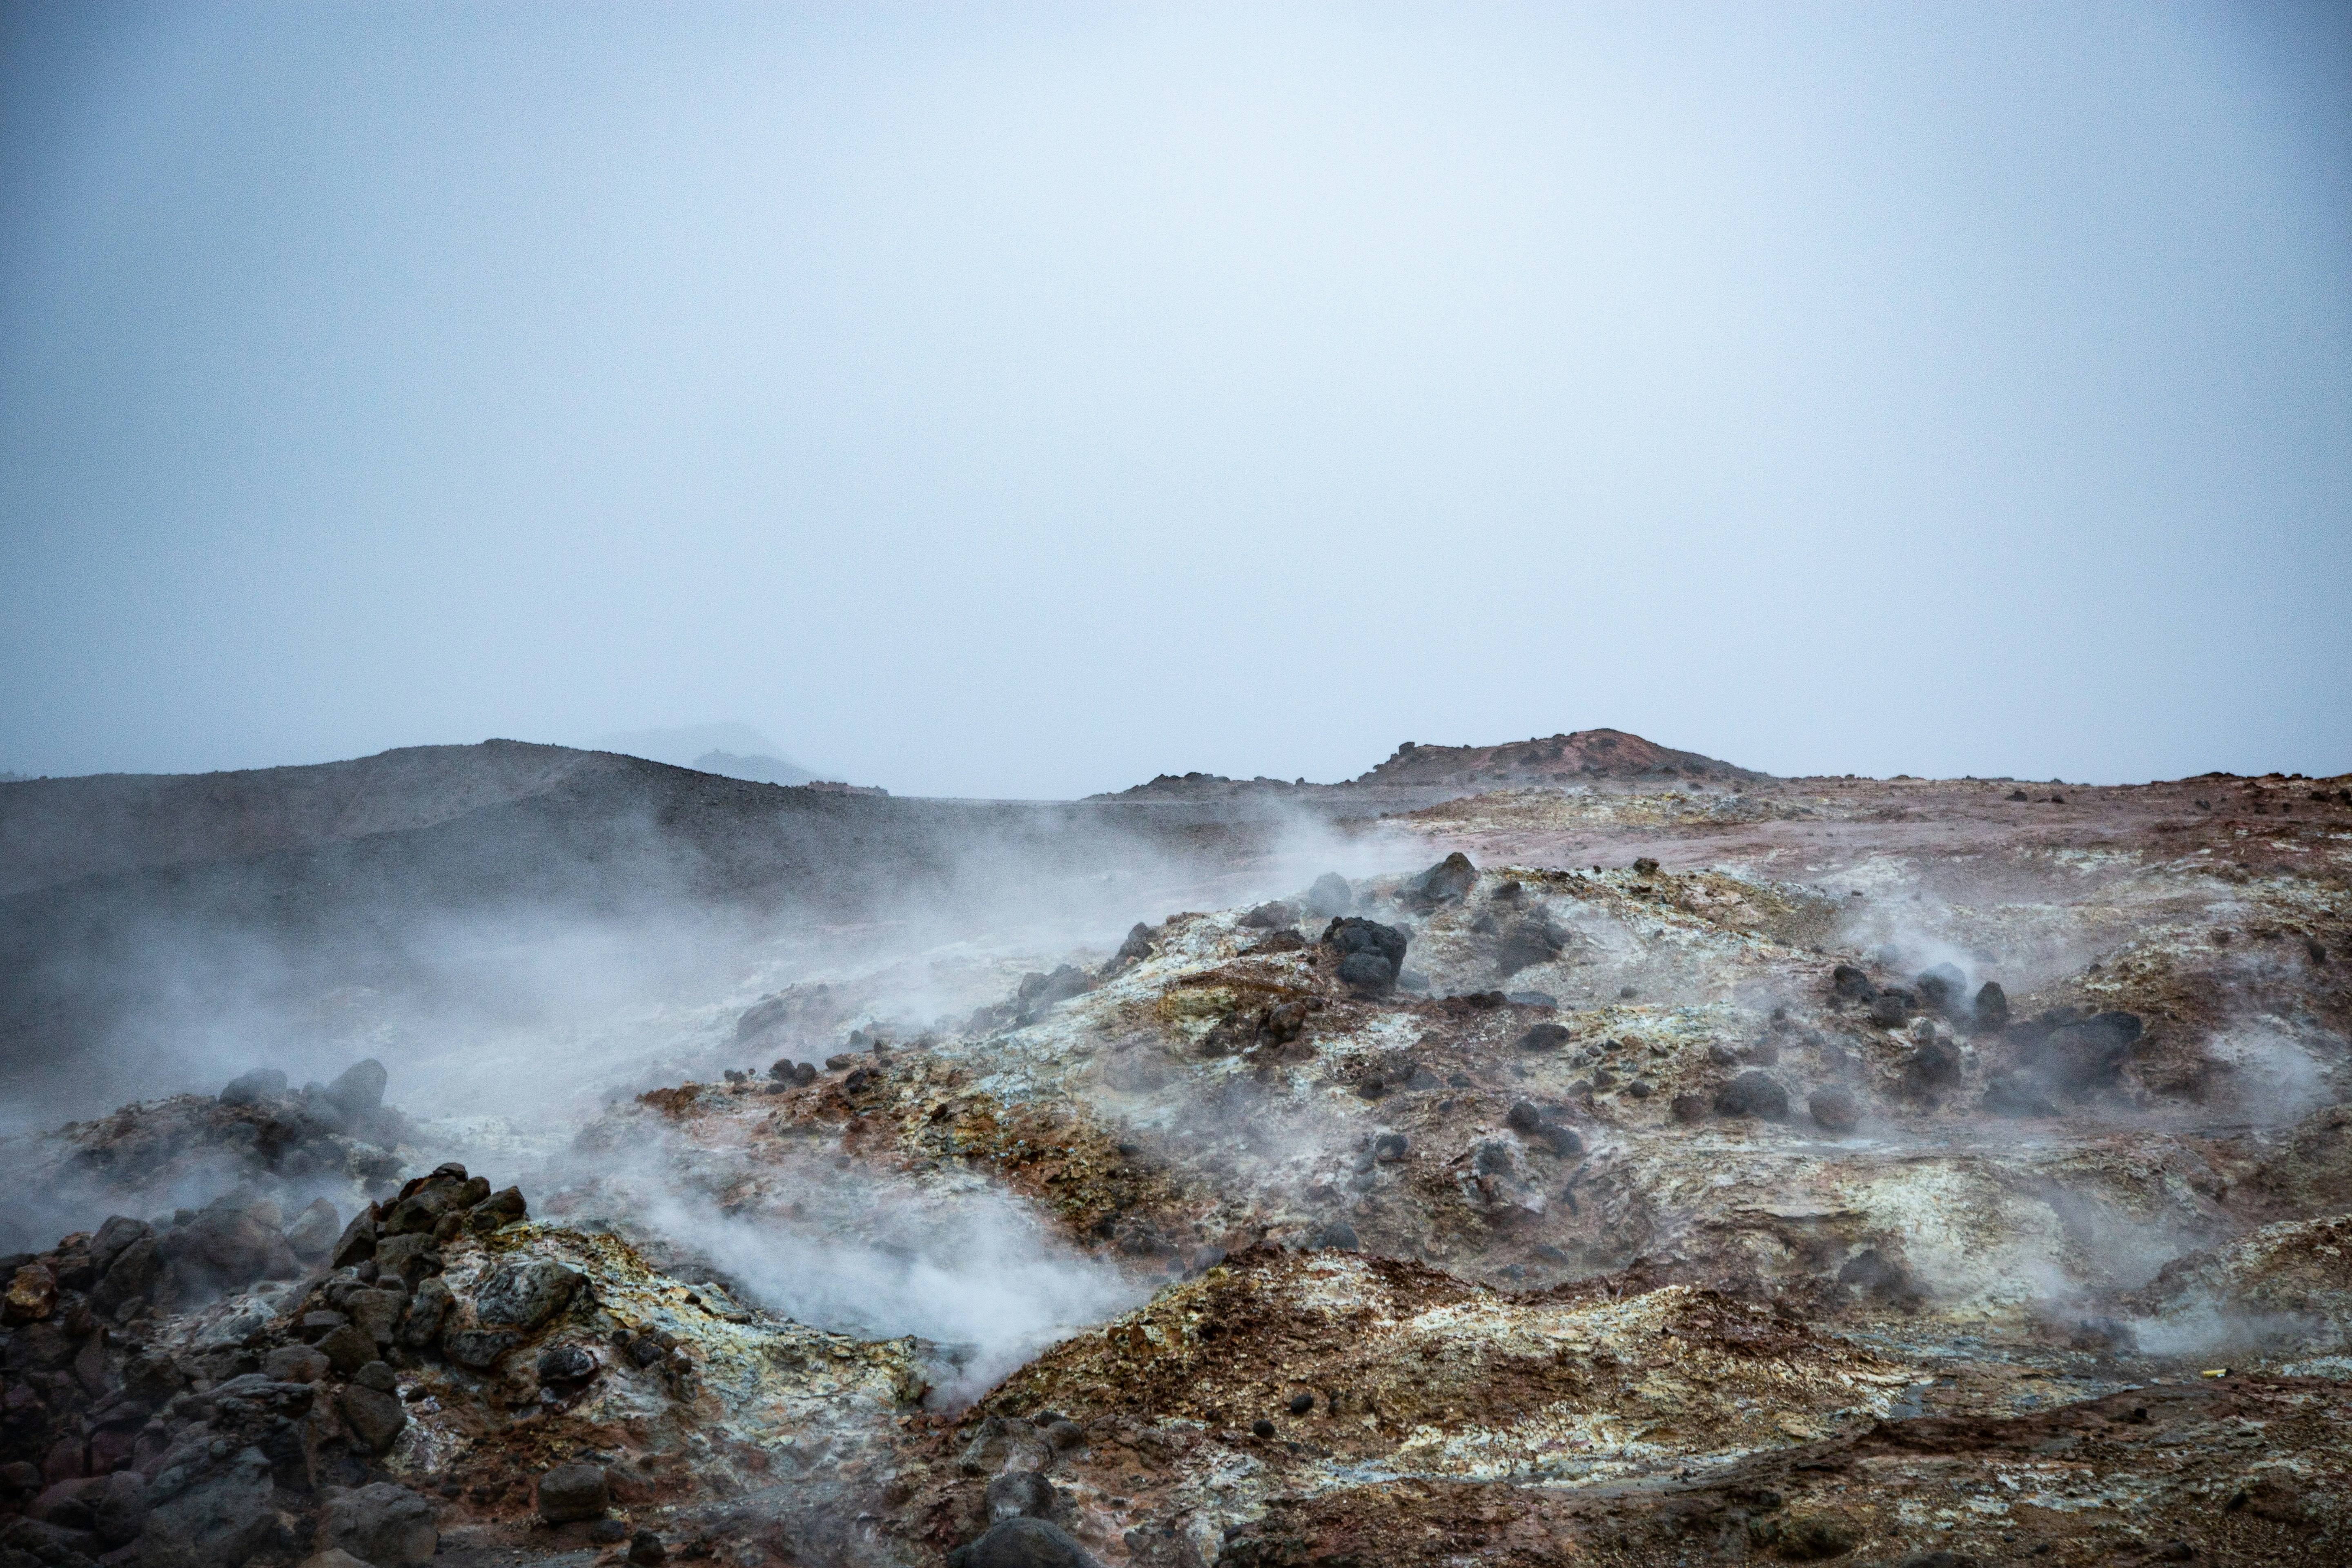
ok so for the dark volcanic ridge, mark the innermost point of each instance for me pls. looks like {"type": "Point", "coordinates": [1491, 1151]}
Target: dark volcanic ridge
{"type": "Point", "coordinates": [1418, 775]}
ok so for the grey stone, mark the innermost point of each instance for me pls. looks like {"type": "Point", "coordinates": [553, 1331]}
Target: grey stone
{"type": "Point", "coordinates": [480, 1349]}
{"type": "Point", "coordinates": [119, 1231]}
{"type": "Point", "coordinates": [377, 1374]}
{"type": "Point", "coordinates": [524, 1294]}
{"type": "Point", "coordinates": [294, 1363]}
{"type": "Point", "coordinates": [135, 1272]}
{"type": "Point", "coordinates": [315, 1230]}
{"type": "Point", "coordinates": [566, 1363]}
{"type": "Point", "coordinates": [357, 1242]}
{"type": "Point", "coordinates": [249, 1088]}
{"type": "Point", "coordinates": [570, 1492]}
{"type": "Point", "coordinates": [1022, 1494]}
{"type": "Point", "coordinates": [348, 1348]}
{"type": "Point", "coordinates": [376, 1313]}
{"type": "Point", "coordinates": [375, 1416]}
{"type": "Point", "coordinates": [429, 1309]}
{"type": "Point", "coordinates": [412, 1256]}
{"type": "Point", "coordinates": [1753, 1094]}
{"type": "Point", "coordinates": [379, 1523]}
{"type": "Point", "coordinates": [359, 1092]}
{"type": "Point", "coordinates": [1835, 1109]}
{"type": "Point", "coordinates": [1329, 896]}
{"type": "Point", "coordinates": [122, 1510]}
{"type": "Point", "coordinates": [1022, 1544]}
{"type": "Point", "coordinates": [208, 1513]}
{"type": "Point", "coordinates": [1450, 879]}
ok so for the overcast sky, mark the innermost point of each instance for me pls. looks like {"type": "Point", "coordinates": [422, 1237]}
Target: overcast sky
{"type": "Point", "coordinates": [1028, 400]}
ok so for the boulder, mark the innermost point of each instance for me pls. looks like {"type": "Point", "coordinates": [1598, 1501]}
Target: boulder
{"type": "Point", "coordinates": [1542, 1037]}
{"type": "Point", "coordinates": [117, 1234]}
{"type": "Point", "coordinates": [1448, 881]}
{"type": "Point", "coordinates": [566, 1364]}
{"type": "Point", "coordinates": [334, 1557]}
{"type": "Point", "coordinates": [374, 1415]}
{"type": "Point", "coordinates": [1690, 1108]}
{"type": "Point", "coordinates": [379, 1523]}
{"type": "Point", "coordinates": [480, 1349]}
{"type": "Point", "coordinates": [357, 1243]}
{"type": "Point", "coordinates": [506, 1205]}
{"type": "Point", "coordinates": [315, 1231]}
{"type": "Point", "coordinates": [1022, 1544]}
{"type": "Point", "coordinates": [294, 1363]}
{"type": "Point", "coordinates": [429, 1309]}
{"type": "Point", "coordinates": [1943, 990]}
{"type": "Point", "coordinates": [2014, 1094]}
{"type": "Point", "coordinates": [1834, 1108]}
{"type": "Point", "coordinates": [207, 1511]}
{"type": "Point", "coordinates": [359, 1092]}
{"type": "Point", "coordinates": [1529, 944]}
{"type": "Point", "coordinates": [1753, 1094]}
{"type": "Point", "coordinates": [1022, 1494]}
{"type": "Point", "coordinates": [1990, 1014]}
{"type": "Point", "coordinates": [1329, 896]}
{"type": "Point", "coordinates": [1933, 1068]}
{"type": "Point", "coordinates": [2081, 1056]}
{"type": "Point", "coordinates": [1265, 917]}
{"type": "Point", "coordinates": [570, 1492]}
{"type": "Point", "coordinates": [1369, 954]}
{"type": "Point", "coordinates": [646, 1549]}
{"type": "Point", "coordinates": [1847, 981]}
{"type": "Point", "coordinates": [347, 1349]}
{"type": "Point", "coordinates": [376, 1313]}
{"type": "Point", "coordinates": [233, 1241]}
{"type": "Point", "coordinates": [412, 1258]}
{"type": "Point", "coordinates": [1890, 1009]}
{"type": "Point", "coordinates": [525, 1293]}
{"type": "Point", "coordinates": [134, 1276]}
{"type": "Point", "coordinates": [252, 1087]}
{"type": "Point", "coordinates": [121, 1509]}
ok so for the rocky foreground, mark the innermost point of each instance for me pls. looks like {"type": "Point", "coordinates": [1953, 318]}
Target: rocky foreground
{"type": "Point", "coordinates": [1917, 1172]}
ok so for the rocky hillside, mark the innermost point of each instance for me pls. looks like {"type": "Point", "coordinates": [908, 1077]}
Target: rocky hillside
{"type": "Point", "coordinates": [1580, 757]}
{"type": "Point", "coordinates": [1922, 1172]}
{"type": "Point", "coordinates": [1418, 775]}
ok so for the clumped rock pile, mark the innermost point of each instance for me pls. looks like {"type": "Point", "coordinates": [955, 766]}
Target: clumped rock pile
{"type": "Point", "coordinates": [258, 1135]}
{"type": "Point", "coordinates": [190, 1440]}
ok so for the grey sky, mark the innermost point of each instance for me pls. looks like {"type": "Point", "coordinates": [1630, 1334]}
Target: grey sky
{"type": "Point", "coordinates": [1027, 400]}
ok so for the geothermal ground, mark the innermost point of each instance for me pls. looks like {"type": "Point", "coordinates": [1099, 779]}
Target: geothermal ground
{"type": "Point", "coordinates": [1651, 1166]}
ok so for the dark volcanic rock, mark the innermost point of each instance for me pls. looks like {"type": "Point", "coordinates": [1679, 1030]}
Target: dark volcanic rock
{"type": "Point", "coordinates": [1835, 1109]}
{"type": "Point", "coordinates": [2014, 1094]}
{"type": "Point", "coordinates": [1529, 944]}
{"type": "Point", "coordinates": [2085, 1055]}
{"type": "Point", "coordinates": [1933, 1068]}
{"type": "Point", "coordinates": [1447, 882]}
{"type": "Point", "coordinates": [570, 1492]}
{"type": "Point", "coordinates": [1542, 1037]}
{"type": "Point", "coordinates": [1990, 1015]}
{"type": "Point", "coordinates": [1848, 981]}
{"type": "Point", "coordinates": [1375, 952]}
{"type": "Point", "coordinates": [523, 1295]}
{"type": "Point", "coordinates": [1266, 916]}
{"type": "Point", "coordinates": [1022, 1494]}
{"type": "Point", "coordinates": [359, 1091]}
{"type": "Point", "coordinates": [252, 1087]}
{"type": "Point", "coordinates": [207, 1510]}
{"type": "Point", "coordinates": [1329, 896]}
{"type": "Point", "coordinates": [1943, 990]}
{"type": "Point", "coordinates": [381, 1523]}
{"type": "Point", "coordinates": [1753, 1094]}
{"type": "Point", "coordinates": [1022, 1544]}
